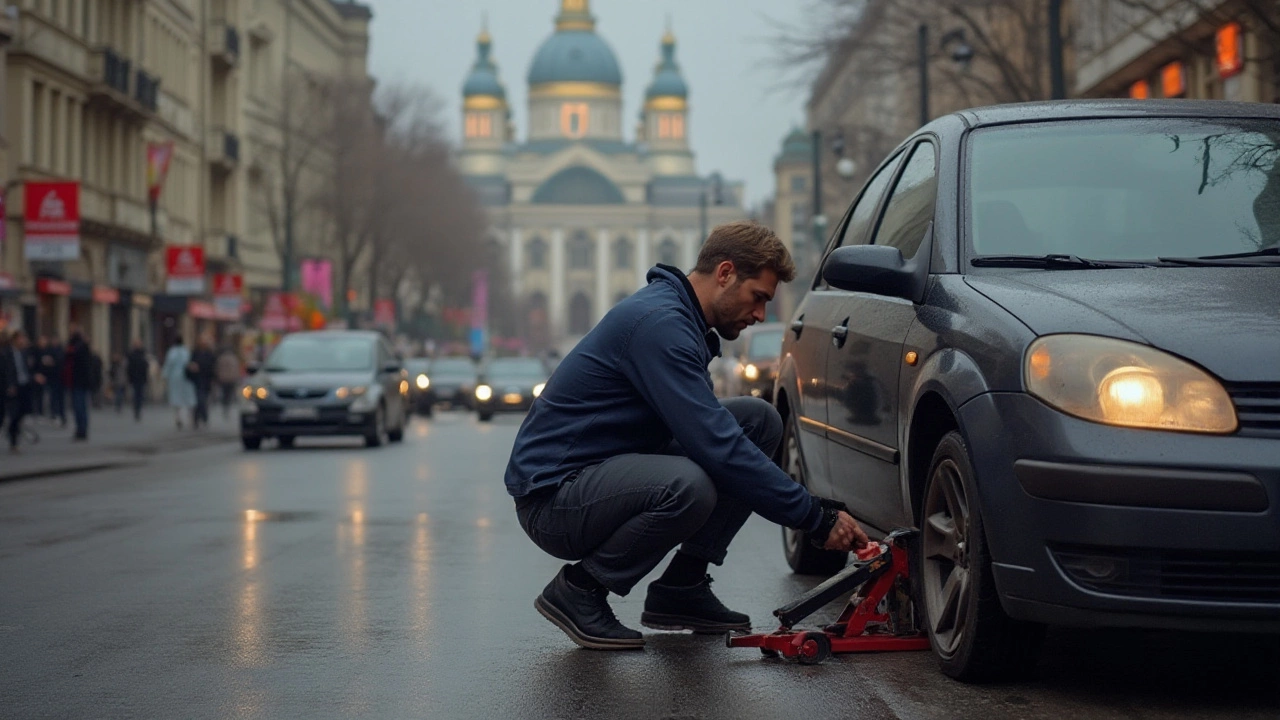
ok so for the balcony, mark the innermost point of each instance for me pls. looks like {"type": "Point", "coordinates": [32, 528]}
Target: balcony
{"type": "Point", "coordinates": [224, 44]}
{"type": "Point", "coordinates": [114, 81]}
{"type": "Point", "coordinates": [223, 149]}
{"type": "Point", "coordinates": [147, 91]}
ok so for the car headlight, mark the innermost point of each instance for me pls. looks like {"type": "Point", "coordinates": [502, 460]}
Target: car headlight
{"type": "Point", "coordinates": [423, 382]}
{"type": "Point", "coordinates": [1122, 383]}
{"type": "Point", "coordinates": [343, 393]}
{"type": "Point", "coordinates": [483, 392]}
{"type": "Point", "coordinates": [249, 392]}
{"type": "Point", "coordinates": [751, 372]}
{"type": "Point", "coordinates": [537, 389]}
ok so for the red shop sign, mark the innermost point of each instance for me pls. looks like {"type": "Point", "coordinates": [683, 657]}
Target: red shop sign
{"type": "Point", "coordinates": [49, 286]}
{"type": "Point", "coordinates": [106, 295]}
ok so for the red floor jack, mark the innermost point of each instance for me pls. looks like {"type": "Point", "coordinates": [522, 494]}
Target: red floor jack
{"type": "Point", "coordinates": [882, 601]}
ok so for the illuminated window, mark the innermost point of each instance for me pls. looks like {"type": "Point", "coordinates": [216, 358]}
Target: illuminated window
{"type": "Point", "coordinates": [1230, 51]}
{"type": "Point", "coordinates": [1140, 90]}
{"type": "Point", "coordinates": [479, 125]}
{"type": "Point", "coordinates": [677, 127]}
{"type": "Point", "coordinates": [670, 126]}
{"type": "Point", "coordinates": [573, 120]}
{"type": "Point", "coordinates": [1173, 80]}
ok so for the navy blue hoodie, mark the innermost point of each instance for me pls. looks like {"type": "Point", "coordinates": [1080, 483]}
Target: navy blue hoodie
{"type": "Point", "coordinates": [637, 380]}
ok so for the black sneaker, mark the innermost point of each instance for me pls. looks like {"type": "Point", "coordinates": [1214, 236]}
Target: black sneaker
{"type": "Point", "coordinates": [693, 608]}
{"type": "Point", "coordinates": [585, 616]}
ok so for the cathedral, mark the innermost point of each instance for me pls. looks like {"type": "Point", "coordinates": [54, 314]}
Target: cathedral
{"type": "Point", "coordinates": [582, 212]}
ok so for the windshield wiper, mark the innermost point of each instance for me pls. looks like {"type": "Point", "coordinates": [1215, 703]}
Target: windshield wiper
{"type": "Point", "coordinates": [1246, 258]}
{"type": "Point", "coordinates": [1051, 262]}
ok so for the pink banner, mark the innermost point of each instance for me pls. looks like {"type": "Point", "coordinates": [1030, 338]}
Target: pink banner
{"type": "Point", "coordinates": [317, 280]}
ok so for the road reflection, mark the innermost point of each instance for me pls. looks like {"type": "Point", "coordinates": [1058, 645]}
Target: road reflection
{"type": "Point", "coordinates": [247, 633]}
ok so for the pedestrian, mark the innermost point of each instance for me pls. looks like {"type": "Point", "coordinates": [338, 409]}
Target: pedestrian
{"type": "Point", "coordinates": [95, 378]}
{"type": "Point", "coordinates": [182, 392]}
{"type": "Point", "coordinates": [17, 378]}
{"type": "Point", "coordinates": [228, 373]}
{"type": "Point", "coordinates": [119, 372]}
{"type": "Point", "coordinates": [139, 371]}
{"type": "Point", "coordinates": [205, 362]}
{"type": "Point", "coordinates": [55, 391]}
{"type": "Point", "coordinates": [627, 453]}
{"type": "Point", "coordinates": [79, 377]}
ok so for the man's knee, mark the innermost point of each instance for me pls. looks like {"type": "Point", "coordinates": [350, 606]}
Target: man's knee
{"type": "Point", "coordinates": [694, 494]}
{"type": "Point", "coordinates": [759, 420]}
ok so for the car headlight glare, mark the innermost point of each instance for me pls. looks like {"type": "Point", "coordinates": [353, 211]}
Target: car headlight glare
{"type": "Point", "coordinates": [423, 382]}
{"type": "Point", "coordinates": [1126, 384]}
{"type": "Point", "coordinates": [247, 392]}
{"type": "Point", "coordinates": [537, 389]}
{"type": "Point", "coordinates": [261, 393]}
{"type": "Point", "coordinates": [343, 393]}
{"type": "Point", "coordinates": [483, 392]}
{"type": "Point", "coordinates": [751, 372]}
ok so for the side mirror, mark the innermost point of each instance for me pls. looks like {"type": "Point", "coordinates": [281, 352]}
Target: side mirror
{"type": "Point", "coordinates": [880, 269]}
{"type": "Point", "coordinates": [392, 367]}
{"type": "Point", "coordinates": [252, 367]}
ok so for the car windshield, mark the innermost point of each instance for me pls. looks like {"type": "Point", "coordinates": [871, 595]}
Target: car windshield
{"type": "Point", "coordinates": [1125, 189]}
{"type": "Point", "coordinates": [516, 368]}
{"type": "Point", "coordinates": [765, 344]}
{"type": "Point", "coordinates": [453, 367]}
{"type": "Point", "coordinates": [416, 366]}
{"type": "Point", "coordinates": [315, 354]}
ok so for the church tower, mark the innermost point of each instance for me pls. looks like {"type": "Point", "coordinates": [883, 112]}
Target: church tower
{"type": "Point", "coordinates": [575, 84]}
{"type": "Point", "coordinates": [486, 121]}
{"type": "Point", "coordinates": [664, 124]}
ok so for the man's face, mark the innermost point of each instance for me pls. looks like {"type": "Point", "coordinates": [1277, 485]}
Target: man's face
{"type": "Point", "coordinates": [740, 302]}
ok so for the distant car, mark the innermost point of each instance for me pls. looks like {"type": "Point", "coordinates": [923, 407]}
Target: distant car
{"type": "Point", "coordinates": [419, 385]}
{"type": "Point", "coordinates": [339, 382]}
{"type": "Point", "coordinates": [509, 385]}
{"type": "Point", "coordinates": [755, 364]}
{"type": "Point", "coordinates": [450, 380]}
{"type": "Point", "coordinates": [1046, 335]}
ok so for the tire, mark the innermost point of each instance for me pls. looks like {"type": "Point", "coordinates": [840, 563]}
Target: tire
{"type": "Point", "coordinates": [815, 648]}
{"type": "Point", "coordinates": [425, 410]}
{"type": "Point", "coordinates": [397, 435]}
{"type": "Point", "coordinates": [250, 443]}
{"type": "Point", "coordinates": [486, 416]}
{"type": "Point", "coordinates": [974, 639]}
{"type": "Point", "coordinates": [374, 439]}
{"type": "Point", "coordinates": [801, 555]}
{"type": "Point", "coordinates": [285, 441]}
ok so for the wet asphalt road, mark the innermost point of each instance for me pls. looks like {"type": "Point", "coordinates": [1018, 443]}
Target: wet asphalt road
{"type": "Point", "coordinates": [335, 581]}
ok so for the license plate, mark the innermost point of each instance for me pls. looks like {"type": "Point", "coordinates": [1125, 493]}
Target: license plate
{"type": "Point", "coordinates": [512, 398]}
{"type": "Point", "coordinates": [301, 413]}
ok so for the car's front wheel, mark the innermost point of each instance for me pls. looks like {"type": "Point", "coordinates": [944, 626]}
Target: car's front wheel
{"type": "Point", "coordinates": [486, 415]}
{"type": "Point", "coordinates": [379, 429]}
{"type": "Point", "coordinates": [801, 555]}
{"type": "Point", "coordinates": [250, 443]}
{"type": "Point", "coordinates": [972, 636]}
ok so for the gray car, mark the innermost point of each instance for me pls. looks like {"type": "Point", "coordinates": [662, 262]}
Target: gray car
{"type": "Point", "coordinates": [1047, 336]}
{"type": "Point", "coordinates": [326, 383]}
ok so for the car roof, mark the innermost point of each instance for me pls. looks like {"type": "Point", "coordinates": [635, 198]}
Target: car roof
{"type": "Point", "coordinates": [1119, 108]}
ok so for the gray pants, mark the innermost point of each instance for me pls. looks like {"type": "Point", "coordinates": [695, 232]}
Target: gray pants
{"type": "Point", "coordinates": [621, 517]}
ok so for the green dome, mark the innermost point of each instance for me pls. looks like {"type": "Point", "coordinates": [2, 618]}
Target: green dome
{"type": "Point", "coordinates": [483, 79]}
{"type": "Point", "coordinates": [798, 145]}
{"type": "Point", "coordinates": [575, 56]}
{"type": "Point", "coordinates": [667, 80]}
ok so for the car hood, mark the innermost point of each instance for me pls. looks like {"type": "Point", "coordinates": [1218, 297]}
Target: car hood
{"type": "Point", "coordinates": [1225, 319]}
{"type": "Point", "coordinates": [513, 384]}
{"type": "Point", "coordinates": [289, 380]}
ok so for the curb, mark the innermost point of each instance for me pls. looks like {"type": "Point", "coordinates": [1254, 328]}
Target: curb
{"type": "Point", "coordinates": [141, 453]}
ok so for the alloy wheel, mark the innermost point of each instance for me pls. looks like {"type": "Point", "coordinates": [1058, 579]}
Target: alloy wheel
{"type": "Point", "coordinates": [944, 551]}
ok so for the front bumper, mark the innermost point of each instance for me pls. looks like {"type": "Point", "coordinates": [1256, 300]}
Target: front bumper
{"type": "Point", "coordinates": [272, 421]}
{"type": "Point", "coordinates": [1094, 525]}
{"type": "Point", "coordinates": [506, 402]}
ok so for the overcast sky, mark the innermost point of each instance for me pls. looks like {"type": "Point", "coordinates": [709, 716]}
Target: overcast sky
{"type": "Point", "coordinates": [738, 117]}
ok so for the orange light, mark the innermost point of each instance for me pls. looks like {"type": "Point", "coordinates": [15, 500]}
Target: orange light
{"type": "Point", "coordinates": [1173, 80]}
{"type": "Point", "coordinates": [1230, 50]}
{"type": "Point", "coordinates": [1140, 90]}
{"type": "Point", "coordinates": [912, 358]}
{"type": "Point", "coordinates": [1040, 363]}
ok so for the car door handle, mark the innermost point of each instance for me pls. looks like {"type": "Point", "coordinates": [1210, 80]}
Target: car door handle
{"type": "Point", "coordinates": [797, 326]}
{"type": "Point", "coordinates": [839, 334]}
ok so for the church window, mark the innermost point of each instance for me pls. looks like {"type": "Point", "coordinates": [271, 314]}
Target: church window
{"type": "Point", "coordinates": [581, 251]}
{"type": "Point", "coordinates": [579, 314]}
{"type": "Point", "coordinates": [479, 125]}
{"type": "Point", "coordinates": [667, 252]}
{"type": "Point", "coordinates": [537, 253]}
{"type": "Point", "coordinates": [622, 251]}
{"type": "Point", "coordinates": [670, 126]}
{"type": "Point", "coordinates": [573, 119]}
{"type": "Point", "coordinates": [677, 127]}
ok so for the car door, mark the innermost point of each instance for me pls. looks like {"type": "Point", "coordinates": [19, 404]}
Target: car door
{"type": "Point", "coordinates": [810, 335]}
{"type": "Point", "coordinates": [390, 381]}
{"type": "Point", "coordinates": [866, 358]}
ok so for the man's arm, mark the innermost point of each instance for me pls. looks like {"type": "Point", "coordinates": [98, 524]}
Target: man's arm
{"type": "Point", "coordinates": [662, 361]}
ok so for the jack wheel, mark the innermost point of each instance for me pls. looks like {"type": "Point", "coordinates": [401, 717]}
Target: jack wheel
{"type": "Point", "coordinates": [814, 648]}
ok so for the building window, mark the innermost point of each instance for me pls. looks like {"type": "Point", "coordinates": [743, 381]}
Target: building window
{"type": "Point", "coordinates": [799, 183]}
{"type": "Point", "coordinates": [622, 252]}
{"type": "Point", "coordinates": [581, 251]}
{"type": "Point", "coordinates": [479, 125]}
{"type": "Point", "coordinates": [573, 120]}
{"type": "Point", "coordinates": [670, 126]}
{"type": "Point", "coordinates": [668, 252]}
{"type": "Point", "coordinates": [536, 251]}
{"type": "Point", "coordinates": [579, 314]}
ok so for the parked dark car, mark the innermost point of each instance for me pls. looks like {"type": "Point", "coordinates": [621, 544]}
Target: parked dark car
{"type": "Point", "coordinates": [755, 361]}
{"type": "Point", "coordinates": [1047, 336]}
{"type": "Point", "coordinates": [509, 385]}
{"type": "Point", "coordinates": [450, 380]}
{"type": "Point", "coordinates": [326, 383]}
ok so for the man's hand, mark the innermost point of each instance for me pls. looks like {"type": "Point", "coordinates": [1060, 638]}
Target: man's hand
{"type": "Point", "coordinates": [846, 535]}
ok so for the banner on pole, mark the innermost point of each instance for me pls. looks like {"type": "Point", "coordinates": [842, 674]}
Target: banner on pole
{"type": "Point", "coordinates": [185, 266]}
{"type": "Point", "coordinates": [159, 155]}
{"type": "Point", "coordinates": [52, 221]}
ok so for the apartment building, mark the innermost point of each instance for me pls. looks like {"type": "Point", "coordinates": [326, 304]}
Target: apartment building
{"type": "Point", "coordinates": [88, 86]}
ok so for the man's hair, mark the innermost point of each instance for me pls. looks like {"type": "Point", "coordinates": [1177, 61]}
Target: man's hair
{"type": "Point", "coordinates": [750, 246]}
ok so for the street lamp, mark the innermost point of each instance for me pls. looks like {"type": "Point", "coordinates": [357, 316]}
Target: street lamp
{"type": "Point", "coordinates": [845, 167]}
{"type": "Point", "coordinates": [962, 54]}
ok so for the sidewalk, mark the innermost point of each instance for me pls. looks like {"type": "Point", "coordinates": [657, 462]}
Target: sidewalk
{"type": "Point", "coordinates": [114, 441]}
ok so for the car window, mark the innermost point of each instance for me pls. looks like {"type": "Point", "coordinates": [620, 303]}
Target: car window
{"type": "Point", "coordinates": [300, 353]}
{"type": "Point", "coordinates": [910, 208]}
{"type": "Point", "coordinates": [859, 220]}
